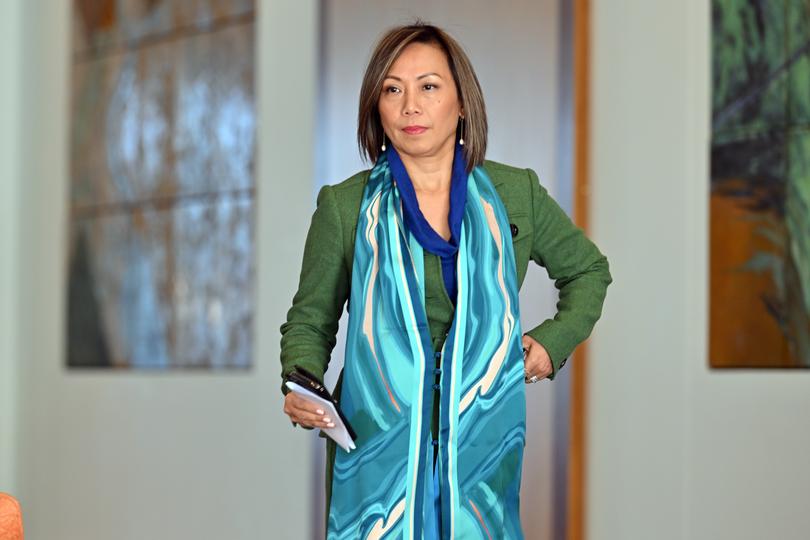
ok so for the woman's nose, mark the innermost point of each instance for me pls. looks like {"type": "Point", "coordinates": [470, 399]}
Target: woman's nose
{"type": "Point", "coordinates": [410, 106]}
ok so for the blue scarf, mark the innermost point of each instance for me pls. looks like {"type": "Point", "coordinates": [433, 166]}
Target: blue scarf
{"type": "Point", "coordinates": [384, 488]}
{"type": "Point", "coordinates": [416, 223]}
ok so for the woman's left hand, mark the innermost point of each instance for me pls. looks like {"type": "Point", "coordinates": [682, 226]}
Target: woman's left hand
{"type": "Point", "coordinates": [536, 361]}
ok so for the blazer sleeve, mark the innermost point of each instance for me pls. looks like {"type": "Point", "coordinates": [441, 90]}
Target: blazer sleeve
{"type": "Point", "coordinates": [579, 270]}
{"type": "Point", "coordinates": [309, 335]}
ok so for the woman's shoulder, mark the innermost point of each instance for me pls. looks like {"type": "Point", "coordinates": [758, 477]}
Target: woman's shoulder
{"type": "Point", "coordinates": [505, 172]}
{"type": "Point", "coordinates": [499, 173]}
{"type": "Point", "coordinates": [511, 178]}
{"type": "Point", "coordinates": [514, 185]}
{"type": "Point", "coordinates": [353, 183]}
{"type": "Point", "coordinates": [348, 195]}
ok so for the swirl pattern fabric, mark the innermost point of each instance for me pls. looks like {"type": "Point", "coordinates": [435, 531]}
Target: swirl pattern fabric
{"type": "Point", "coordinates": [383, 489]}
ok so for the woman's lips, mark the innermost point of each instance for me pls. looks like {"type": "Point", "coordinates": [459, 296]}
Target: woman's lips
{"type": "Point", "coordinates": [414, 130]}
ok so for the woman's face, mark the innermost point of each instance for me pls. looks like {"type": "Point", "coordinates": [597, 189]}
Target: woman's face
{"type": "Point", "coordinates": [419, 105]}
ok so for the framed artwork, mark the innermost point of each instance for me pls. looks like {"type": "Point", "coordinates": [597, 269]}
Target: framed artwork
{"type": "Point", "coordinates": [160, 265]}
{"type": "Point", "coordinates": [760, 184]}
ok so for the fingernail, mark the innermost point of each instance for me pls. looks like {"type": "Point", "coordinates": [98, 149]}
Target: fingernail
{"type": "Point", "coordinates": [319, 411]}
{"type": "Point", "coordinates": [330, 425]}
{"type": "Point", "coordinates": [327, 420]}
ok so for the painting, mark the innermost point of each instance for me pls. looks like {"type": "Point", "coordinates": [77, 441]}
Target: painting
{"type": "Point", "coordinates": [760, 185]}
{"type": "Point", "coordinates": [160, 263]}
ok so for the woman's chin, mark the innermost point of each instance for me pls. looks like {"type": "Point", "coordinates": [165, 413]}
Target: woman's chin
{"type": "Point", "coordinates": [419, 149]}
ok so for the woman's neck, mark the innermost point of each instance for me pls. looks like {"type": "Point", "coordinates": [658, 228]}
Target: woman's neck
{"type": "Point", "coordinates": [429, 174]}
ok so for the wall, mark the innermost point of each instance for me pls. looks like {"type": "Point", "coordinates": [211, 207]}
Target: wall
{"type": "Point", "coordinates": [10, 100]}
{"type": "Point", "coordinates": [676, 450]}
{"type": "Point", "coordinates": [161, 455]}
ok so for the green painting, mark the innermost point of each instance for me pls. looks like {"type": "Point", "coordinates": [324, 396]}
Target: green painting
{"type": "Point", "coordinates": [760, 184]}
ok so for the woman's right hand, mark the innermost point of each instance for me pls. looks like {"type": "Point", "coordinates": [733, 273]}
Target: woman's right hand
{"type": "Point", "coordinates": [305, 412]}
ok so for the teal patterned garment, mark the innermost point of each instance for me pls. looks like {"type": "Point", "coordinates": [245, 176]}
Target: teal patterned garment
{"type": "Point", "coordinates": [384, 488]}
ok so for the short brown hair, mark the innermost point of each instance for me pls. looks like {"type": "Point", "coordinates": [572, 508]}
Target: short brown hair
{"type": "Point", "coordinates": [389, 47]}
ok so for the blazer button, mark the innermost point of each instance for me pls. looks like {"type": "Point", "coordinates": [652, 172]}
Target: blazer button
{"type": "Point", "coordinates": [514, 229]}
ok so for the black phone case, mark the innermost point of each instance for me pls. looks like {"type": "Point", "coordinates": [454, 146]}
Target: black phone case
{"type": "Point", "coordinates": [306, 379]}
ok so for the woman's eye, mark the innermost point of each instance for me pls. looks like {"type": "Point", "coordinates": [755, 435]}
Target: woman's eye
{"type": "Point", "coordinates": [429, 86]}
{"type": "Point", "coordinates": [392, 89]}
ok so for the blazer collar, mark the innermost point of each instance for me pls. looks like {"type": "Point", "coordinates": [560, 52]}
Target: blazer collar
{"type": "Point", "coordinates": [496, 178]}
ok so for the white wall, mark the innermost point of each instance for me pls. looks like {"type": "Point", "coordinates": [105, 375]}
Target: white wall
{"type": "Point", "coordinates": [515, 51]}
{"type": "Point", "coordinates": [10, 100]}
{"type": "Point", "coordinates": [157, 455]}
{"type": "Point", "coordinates": [677, 451]}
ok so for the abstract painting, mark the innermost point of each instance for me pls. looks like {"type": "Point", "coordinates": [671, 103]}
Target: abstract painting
{"type": "Point", "coordinates": [160, 262]}
{"type": "Point", "coordinates": [760, 184]}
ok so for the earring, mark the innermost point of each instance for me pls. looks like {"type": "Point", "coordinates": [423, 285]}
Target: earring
{"type": "Point", "coordinates": [461, 138]}
{"type": "Point", "coordinates": [383, 144]}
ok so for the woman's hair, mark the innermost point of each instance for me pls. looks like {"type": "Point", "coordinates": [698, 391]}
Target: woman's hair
{"type": "Point", "coordinates": [369, 126]}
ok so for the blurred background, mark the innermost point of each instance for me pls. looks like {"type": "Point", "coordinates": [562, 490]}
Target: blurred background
{"type": "Point", "coordinates": [182, 142]}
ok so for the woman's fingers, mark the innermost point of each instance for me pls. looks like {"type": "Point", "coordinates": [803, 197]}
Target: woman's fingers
{"type": "Point", "coordinates": [536, 361]}
{"type": "Point", "coordinates": [305, 412]}
{"type": "Point", "coordinates": [312, 419]}
{"type": "Point", "coordinates": [542, 369]}
{"type": "Point", "coordinates": [538, 365]}
{"type": "Point", "coordinates": [299, 403]}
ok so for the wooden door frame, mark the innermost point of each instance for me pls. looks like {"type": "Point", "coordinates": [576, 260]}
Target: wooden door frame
{"type": "Point", "coordinates": [577, 473]}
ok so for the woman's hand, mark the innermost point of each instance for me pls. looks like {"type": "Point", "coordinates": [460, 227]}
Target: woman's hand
{"type": "Point", "coordinates": [536, 361]}
{"type": "Point", "coordinates": [303, 411]}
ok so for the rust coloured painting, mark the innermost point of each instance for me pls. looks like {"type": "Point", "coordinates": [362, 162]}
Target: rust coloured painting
{"type": "Point", "coordinates": [760, 184]}
{"type": "Point", "coordinates": [162, 195]}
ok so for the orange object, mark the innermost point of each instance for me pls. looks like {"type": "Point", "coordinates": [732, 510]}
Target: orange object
{"type": "Point", "coordinates": [11, 527]}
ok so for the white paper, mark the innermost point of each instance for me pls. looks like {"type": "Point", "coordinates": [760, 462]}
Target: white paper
{"type": "Point", "coordinates": [339, 433]}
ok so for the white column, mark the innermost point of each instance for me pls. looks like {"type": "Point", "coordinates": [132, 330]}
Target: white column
{"type": "Point", "coordinates": [10, 106]}
{"type": "Point", "coordinates": [640, 149]}
{"type": "Point", "coordinates": [286, 89]}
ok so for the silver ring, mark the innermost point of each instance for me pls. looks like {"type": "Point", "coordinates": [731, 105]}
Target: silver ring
{"type": "Point", "coordinates": [534, 379]}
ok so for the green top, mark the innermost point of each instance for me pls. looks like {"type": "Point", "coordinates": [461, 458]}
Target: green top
{"type": "Point", "coordinates": [545, 234]}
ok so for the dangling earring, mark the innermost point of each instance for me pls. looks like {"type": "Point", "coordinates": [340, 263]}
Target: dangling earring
{"type": "Point", "coordinates": [383, 144]}
{"type": "Point", "coordinates": [461, 138]}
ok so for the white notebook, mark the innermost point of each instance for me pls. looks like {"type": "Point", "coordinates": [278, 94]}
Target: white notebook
{"type": "Point", "coordinates": [339, 433]}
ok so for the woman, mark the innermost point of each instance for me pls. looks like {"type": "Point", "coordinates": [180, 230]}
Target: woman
{"type": "Point", "coordinates": [430, 248]}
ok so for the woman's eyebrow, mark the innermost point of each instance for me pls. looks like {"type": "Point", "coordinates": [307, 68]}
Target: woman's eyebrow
{"type": "Point", "coordinates": [419, 77]}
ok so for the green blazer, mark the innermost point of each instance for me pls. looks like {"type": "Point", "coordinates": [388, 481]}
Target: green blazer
{"type": "Point", "coordinates": [542, 233]}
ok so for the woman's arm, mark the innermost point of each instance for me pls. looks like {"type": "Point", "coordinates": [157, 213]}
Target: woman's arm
{"type": "Point", "coordinates": [308, 336]}
{"type": "Point", "coordinates": [579, 270]}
